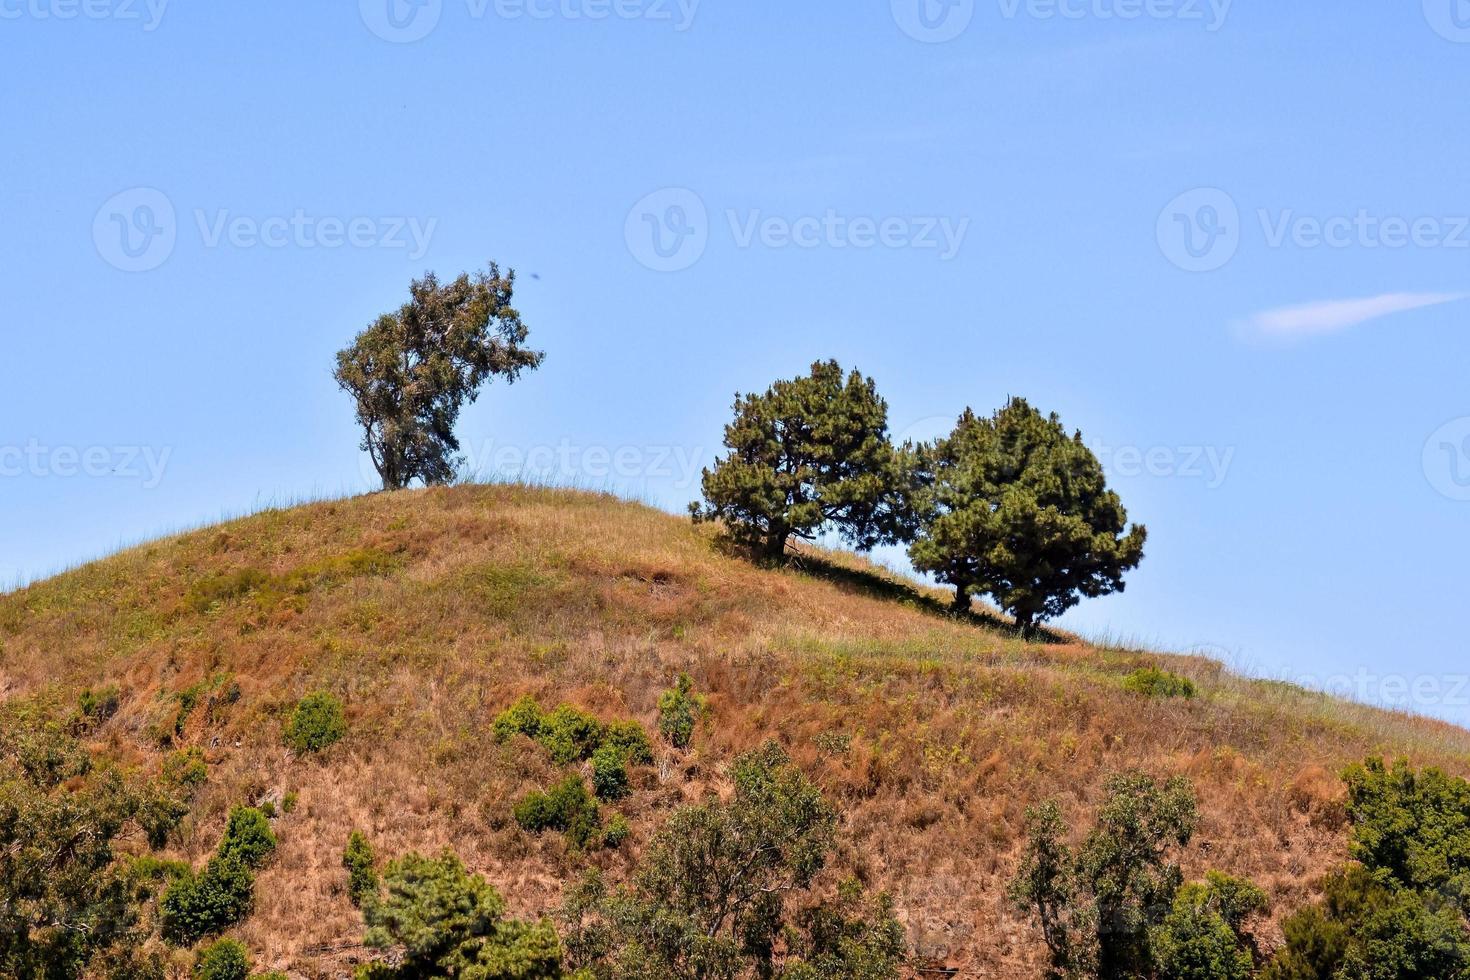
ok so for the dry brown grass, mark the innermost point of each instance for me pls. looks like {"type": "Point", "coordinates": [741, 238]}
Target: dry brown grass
{"type": "Point", "coordinates": [933, 735]}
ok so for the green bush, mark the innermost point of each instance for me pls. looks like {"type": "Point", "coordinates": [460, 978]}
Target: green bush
{"type": "Point", "coordinates": [610, 773]}
{"type": "Point", "coordinates": [1098, 903]}
{"type": "Point", "coordinates": [1399, 910]}
{"type": "Point", "coordinates": [248, 838]}
{"type": "Point", "coordinates": [521, 718]}
{"type": "Point", "coordinates": [160, 812]}
{"type": "Point", "coordinates": [679, 710]}
{"type": "Point", "coordinates": [199, 905]}
{"type": "Point", "coordinates": [630, 738]}
{"type": "Point", "coordinates": [566, 807]}
{"type": "Point", "coordinates": [225, 960]}
{"type": "Point", "coordinates": [570, 734]}
{"type": "Point", "coordinates": [729, 885]}
{"type": "Point", "coordinates": [186, 768]}
{"type": "Point", "coordinates": [616, 831]}
{"type": "Point", "coordinates": [1367, 928]}
{"type": "Point", "coordinates": [1413, 827]}
{"type": "Point", "coordinates": [446, 922]}
{"type": "Point", "coordinates": [359, 860]}
{"type": "Point", "coordinates": [1151, 682]}
{"type": "Point", "coordinates": [99, 705]}
{"type": "Point", "coordinates": [1203, 937]}
{"type": "Point", "coordinates": [317, 722]}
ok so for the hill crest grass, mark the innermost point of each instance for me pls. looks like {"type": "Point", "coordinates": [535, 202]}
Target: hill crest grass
{"type": "Point", "coordinates": [427, 613]}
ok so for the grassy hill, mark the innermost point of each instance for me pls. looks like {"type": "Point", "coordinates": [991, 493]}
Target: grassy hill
{"type": "Point", "coordinates": [428, 612]}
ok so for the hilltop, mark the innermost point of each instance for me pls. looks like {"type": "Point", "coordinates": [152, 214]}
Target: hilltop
{"type": "Point", "coordinates": [429, 612]}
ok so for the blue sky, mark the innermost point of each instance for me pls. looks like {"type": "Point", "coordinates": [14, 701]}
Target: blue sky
{"type": "Point", "coordinates": [1227, 241]}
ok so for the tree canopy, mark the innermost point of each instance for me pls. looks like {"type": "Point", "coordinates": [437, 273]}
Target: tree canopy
{"type": "Point", "coordinates": [716, 895]}
{"type": "Point", "coordinates": [811, 453]}
{"type": "Point", "coordinates": [1013, 507]}
{"type": "Point", "coordinates": [413, 370]}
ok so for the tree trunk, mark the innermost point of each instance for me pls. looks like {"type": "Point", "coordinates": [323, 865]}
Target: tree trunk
{"type": "Point", "coordinates": [963, 602]}
{"type": "Point", "coordinates": [776, 546]}
{"type": "Point", "coordinates": [1025, 624]}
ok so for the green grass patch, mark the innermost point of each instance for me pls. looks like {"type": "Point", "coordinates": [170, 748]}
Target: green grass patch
{"type": "Point", "coordinates": [1151, 682]}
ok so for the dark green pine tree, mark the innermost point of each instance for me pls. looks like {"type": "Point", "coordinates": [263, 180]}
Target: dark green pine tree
{"type": "Point", "coordinates": [1013, 507]}
{"type": "Point", "coordinates": [810, 454]}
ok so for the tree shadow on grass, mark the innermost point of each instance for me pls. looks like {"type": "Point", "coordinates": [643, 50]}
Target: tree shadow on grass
{"type": "Point", "coordinates": [891, 589]}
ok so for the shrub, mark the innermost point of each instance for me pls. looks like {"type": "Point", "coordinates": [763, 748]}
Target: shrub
{"type": "Point", "coordinates": [450, 923]}
{"type": "Point", "coordinates": [1151, 682]}
{"type": "Point", "coordinates": [719, 887]}
{"type": "Point", "coordinates": [225, 960]}
{"type": "Point", "coordinates": [318, 722]}
{"type": "Point", "coordinates": [185, 768]}
{"type": "Point", "coordinates": [99, 705]}
{"type": "Point", "coordinates": [359, 860]}
{"type": "Point", "coordinates": [570, 734]}
{"type": "Point", "coordinates": [199, 905]}
{"type": "Point", "coordinates": [1413, 827]}
{"type": "Point", "coordinates": [610, 773]}
{"type": "Point", "coordinates": [1366, 928]}
{"type": "Point", "coordinates": [1399, 911]}
{"type": "Point", "coordinates": [679, 710]}
{"type": "Point", "coordinates": [248, 838]}
{"type": "Point", "coordinates": [521, 718]}
{"type": "Point", "coordinates": [210, 591]}
{"type": "Point", "coordinates": [616, 832]}
{"type": "Point", "coordinates": [160, 812]}
{"type": "Point", "coordinates": [68, 895]}
{"type": "Point", "coordinates": [630, 738]}
{"type": "Point", "coordinates": [567, 807]}
{"type": "Point", "coordinates": [1203, 936]}
{"type": "Point", "coordinates": [1096, 905]}
{"type": "Point", "coordinates": [289, 801]}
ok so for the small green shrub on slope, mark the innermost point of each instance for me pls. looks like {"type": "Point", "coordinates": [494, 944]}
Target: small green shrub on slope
{"type": "Point", "coordinates": [1151, 682]}
{"type": "Point", "coordinates": [227, 959]}
{"type": "Point", "coordinates": [248, 837]}
{"type": "Point", "coordinates": [362, 875]}
{"type": "Point", "coordinates": [206, 903]}
{"type": "Point", "coordinates": [450, 923]}
{"type": "Point", "coordinates": [317, 723]}
{"type": "Point", "coordinates": [566, 807]}
{"type": "Point", "coordinates": [610, 773]}
{"type": "Point", "coordinates": [679, 710]}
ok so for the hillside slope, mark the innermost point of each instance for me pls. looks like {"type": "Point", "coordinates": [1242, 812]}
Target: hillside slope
{"type": "Point", "coordinates": [428, 612]}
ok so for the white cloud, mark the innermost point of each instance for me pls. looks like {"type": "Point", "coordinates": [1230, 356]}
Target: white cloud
{"type": "Point", "coordinates": [1329, 316]}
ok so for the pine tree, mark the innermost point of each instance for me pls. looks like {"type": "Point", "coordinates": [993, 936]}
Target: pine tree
{"type": "Point", "coordinates": [809, 454]}
{"type": "Point", "coordinates": [1014, 508]}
